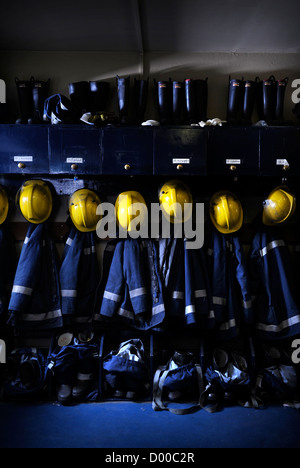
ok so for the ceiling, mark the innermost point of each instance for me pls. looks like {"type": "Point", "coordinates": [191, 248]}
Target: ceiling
{"type": "Point", "coordinates": [151, 26]}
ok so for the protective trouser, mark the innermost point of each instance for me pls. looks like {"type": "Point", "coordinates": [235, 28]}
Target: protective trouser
{"type": "Point", "coordinates": [35, 299]}
{"type": "Point", "coordinates": [79, 278]}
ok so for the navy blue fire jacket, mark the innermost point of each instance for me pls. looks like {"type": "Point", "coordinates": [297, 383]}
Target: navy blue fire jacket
{"type": "Point", "coordinates": [35, 298]}
{"type": "Point", "coordinates": [133, 291]}
{"type": "Point", "coordinates": [230, 284]}
{"type": "Point", "coordinates": [79, 278]}
{"type": "Point", "coordinates": [276, 312]}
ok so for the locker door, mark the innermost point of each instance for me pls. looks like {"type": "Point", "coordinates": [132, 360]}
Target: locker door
{"type": "Point", "coordinates": [280, 151]}
{"type": "Point", "coordinates": [24, 149]}
{"type": "Point", "coordinates": [127, 150]}
{"type": "Point", "coordinates": [75, 150]}
{"type": "Point", "coordinates": [233, 150]}
{"type": "Point", "coordinates": [180, 151]}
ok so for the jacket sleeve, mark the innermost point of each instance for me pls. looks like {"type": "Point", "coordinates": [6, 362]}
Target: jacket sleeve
{"type": "Point", "coordinates": [135, 275]}
{"type": "Point", "coordinates": [28, 270]}
{"type": "Point", "coordinates": [69, 271]}
{"type": "Point", "coordinates": [114, 289]}
{"type": "Point", "coordinates": [243, 279]}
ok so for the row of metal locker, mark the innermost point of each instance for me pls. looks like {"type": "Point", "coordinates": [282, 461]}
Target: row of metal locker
{"type": "Point", "coordinates": [118, 150]}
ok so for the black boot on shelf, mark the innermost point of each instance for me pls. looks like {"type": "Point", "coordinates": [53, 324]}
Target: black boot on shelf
{"type": "Point", "coordinates": [190, 101]}
{"type": "Point", "coordinates": [269, 100]}
{"type": "Point", "coordinates": [24, 89]}
{"type": "Point", "coordinates": [163, 93]}
{"type": "Point", "coordinates": [79, 95]}
{"type": "Point", "coordinates": [280, 93]}
{"type": "Point", "coordinates": [178, 100]}
{"type": "Point", "coordinates": [140, 99]}
{"type": "Point", "coordinates": [248, 102]}
{"type": "Point", "coordinates": [235, 99]}
{"type": "Point", "coordinates": [123, 91]}
{"type": "Point", "coordinates": [40, 92]}
{"type": "Point", "coordinates": [201, 87]}
{"type": "Point", "coordinates": [98, 96]}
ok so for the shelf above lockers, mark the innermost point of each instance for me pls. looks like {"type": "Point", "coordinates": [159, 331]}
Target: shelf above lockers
{"type": "Point", "coordinates": [81, 150]}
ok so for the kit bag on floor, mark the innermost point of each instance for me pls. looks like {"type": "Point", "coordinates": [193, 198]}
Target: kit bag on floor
{"type": "Point", "coordinates": [25, 373]}
{"type": "Point", "coordinates": [278, 378]}
{"type": "Point", "coordinates": [125, 370]}
{"type": "Point", "coordinates": [228, 377]}
{"type": "Point", "coordinates": [179, 381]}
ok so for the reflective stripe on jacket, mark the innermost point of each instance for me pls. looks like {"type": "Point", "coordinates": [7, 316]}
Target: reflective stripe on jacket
{"type": "Point", "coordinates": [230, 284]}
{"type": "Point", "coordinates": [35, 298]}
{"type": "Point", "coordinates": [276, 311]}
{"type": "Point", "coordinates": [79, 277]}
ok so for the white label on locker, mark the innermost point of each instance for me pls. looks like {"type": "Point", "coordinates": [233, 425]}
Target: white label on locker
{"type": "Point", "coordinates": [181, 161]}
{"type": "Point", "coordinates": [74, 160]}
{"type": "Point", "coordinates": [233, 161]}
{"type": "Point", "coordinates": [282, 162]}
{"type": "Point", "coordinates": [23, 158]}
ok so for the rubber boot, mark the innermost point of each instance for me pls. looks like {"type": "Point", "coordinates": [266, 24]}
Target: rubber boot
{"type": "Point", "coordinates": [249, 101]}
{"type": "Point", "coordinates": [234, 105]}
{"type": "Point", "coordinates": [190, 101]}
{"type": "Point", "coordinates": [140, 99]}
{"type": "Point", "coordinates": [25, 101]}
{"type": "Point", "coordinates": [123, 89]}
{"type": "Point", "coordinates": [269, 99]}
{"type": "Point", "coordinates": [164, 101]}
{"type": "Point", "coordinates": [79, 95]}
{"type": "Point", "coordinates": [177, 102]}
{"type": "Point", "coordinates": [40, 92]}
{"type": "Point", "coordinates": [98, 96]}
{"type": "Point", "coordinates": [280, 92]}
{"type": "Point", "coordinates": [201, 99]}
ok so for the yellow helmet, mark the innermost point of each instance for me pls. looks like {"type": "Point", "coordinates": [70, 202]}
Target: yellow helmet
{"type": "Point", "coordinates": [123, 207]}
{"type": "Point", "coordinates": [35, 201]}
{"type": "Point", "coordinates": [279, 206]}
{"type": "Point", "coordinates": [4, 205]}
{"type": "Point", "coordinates": [173, 198]}
{"type": "Point", "coordinates": [82, 207]}
{"type": "Point", "coordinates": [226, 212]}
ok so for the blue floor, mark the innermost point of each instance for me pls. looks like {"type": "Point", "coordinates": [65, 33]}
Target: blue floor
{"type": "Point", "coordinates": [137, 425]}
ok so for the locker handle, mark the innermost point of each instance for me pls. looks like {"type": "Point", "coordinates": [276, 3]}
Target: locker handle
{"type": "Point", "coordinates": [74, 167]}
{"type": "Point", "coordinates": [286, 167]}
{"type": "Point", "coordinates": [179, 167]}
{"type": "Point", "coordinates": [21, 165]}
{"type": "Point", "coordinates": [232, 168]}
{"type": "Point", "coordinates": [127, 167]}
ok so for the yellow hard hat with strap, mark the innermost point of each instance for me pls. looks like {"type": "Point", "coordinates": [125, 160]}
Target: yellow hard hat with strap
{"type": "Point", "coordinates": [4, 205]}
{"type": "Point", "coordinates": [226, 212]}
{"type": "Point", "coordinates": [125, 203]}
{"type": "Point", "coordinates": [176, 201]}
{"type": "Point", "coordinates": [279, 206]}
{"type": "Point", "coordinates": [35, 201]}
{"type": "Point", "coordinates": [83, 210]}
